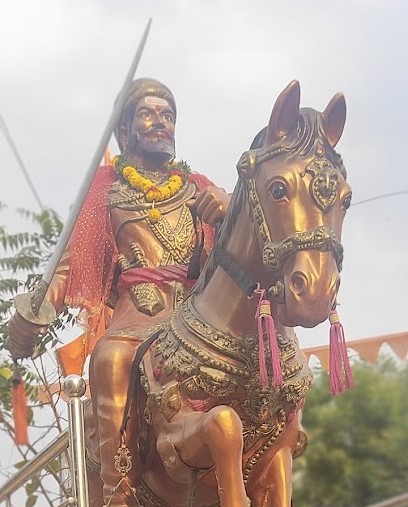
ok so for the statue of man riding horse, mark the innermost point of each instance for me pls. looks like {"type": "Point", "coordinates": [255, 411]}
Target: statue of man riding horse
{"type": "Point", "coordinates": [197, 390]}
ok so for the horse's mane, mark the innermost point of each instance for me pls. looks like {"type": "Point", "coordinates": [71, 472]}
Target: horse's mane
{"type": "Point", "coordinates": [302, 142]}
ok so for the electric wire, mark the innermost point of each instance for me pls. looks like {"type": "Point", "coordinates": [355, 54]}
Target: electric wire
{"type": "Point", "coordinates": [20, 162]}
{"type": "Point", "coordinates": [381, 196]}
{"type": "Point", "coordinates": [13, 148]}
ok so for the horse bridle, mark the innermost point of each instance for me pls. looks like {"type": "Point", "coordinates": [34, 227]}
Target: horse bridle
{"type": "Point", "coordinates": [274, 255]}
{"type": "Point", "coordinates": [321, 238]}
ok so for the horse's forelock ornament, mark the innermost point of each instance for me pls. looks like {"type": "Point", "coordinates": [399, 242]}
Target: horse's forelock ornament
{"type": "Point", "coordinates": [324, 183]}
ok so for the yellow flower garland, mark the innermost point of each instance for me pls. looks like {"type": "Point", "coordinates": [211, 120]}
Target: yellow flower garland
{"type": "Point", "coordinates": [153, 193]}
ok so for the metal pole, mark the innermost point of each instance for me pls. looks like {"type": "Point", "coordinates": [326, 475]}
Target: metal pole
{"type": "Point", "coordinates": [103, 143]}
{"type": "Point", "coordinates": [74, 387]}
{"type": "Point", "coordinates": [30, 306]}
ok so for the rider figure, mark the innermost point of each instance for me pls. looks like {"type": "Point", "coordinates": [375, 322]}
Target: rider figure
{"type": "Point", "coordinates": [130, 249]}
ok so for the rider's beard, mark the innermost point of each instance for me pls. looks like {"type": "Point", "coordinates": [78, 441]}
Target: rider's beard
{"type": "Point", "coordinates": [156, 149]}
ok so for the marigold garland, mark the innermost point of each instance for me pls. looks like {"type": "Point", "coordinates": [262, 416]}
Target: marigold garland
{"type": "Point", "coordinates": [154, 193]}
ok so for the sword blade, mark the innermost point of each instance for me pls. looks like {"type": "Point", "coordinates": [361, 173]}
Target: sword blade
{"type": "Point", "coordinates": [66, 232]}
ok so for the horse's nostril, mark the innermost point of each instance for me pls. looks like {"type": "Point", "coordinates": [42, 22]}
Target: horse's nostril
{"type": "Point", "coordinates": [298, 283]}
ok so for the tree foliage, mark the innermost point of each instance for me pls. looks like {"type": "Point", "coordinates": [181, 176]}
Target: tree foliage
{"type": "Point", "coordinates": [23, 258]}
{"type": "Point", "coordinates": [357, 442]}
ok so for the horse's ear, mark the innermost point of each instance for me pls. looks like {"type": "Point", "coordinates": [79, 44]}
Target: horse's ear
{"type": "Point", "coordinates": [334, 118]}
{"type": "Point", "coordinates": [285, 113]}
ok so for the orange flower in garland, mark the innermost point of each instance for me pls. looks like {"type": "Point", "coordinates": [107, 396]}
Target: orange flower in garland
{"type": "Point", "coordinates": [154, 193]}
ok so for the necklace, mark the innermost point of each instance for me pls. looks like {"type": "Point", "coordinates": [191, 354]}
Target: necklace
{"type": "Point", "coordinates": [178, 174]}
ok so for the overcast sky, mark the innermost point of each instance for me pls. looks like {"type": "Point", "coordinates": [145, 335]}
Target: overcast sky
{"type": "Point", "coordinates": [63, 62]}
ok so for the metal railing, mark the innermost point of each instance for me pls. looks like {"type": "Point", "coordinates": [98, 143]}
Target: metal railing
{"type": "Point", "coordinates": [72, 440]}
{"type": "Point", "coordinates": [40, 461]}
{"type": "Point", "coordinates": [396, 501]}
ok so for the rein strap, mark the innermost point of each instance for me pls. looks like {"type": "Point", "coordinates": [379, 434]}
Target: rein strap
{"type": "Point", "coordinates": [234, 270]}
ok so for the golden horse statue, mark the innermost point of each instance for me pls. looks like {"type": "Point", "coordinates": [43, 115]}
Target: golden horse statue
{"type": "Point", "coordinates": [218, 393]}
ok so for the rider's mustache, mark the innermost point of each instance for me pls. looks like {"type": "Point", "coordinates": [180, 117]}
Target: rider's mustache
{"type": "Point", "coordinates": [155, 128]}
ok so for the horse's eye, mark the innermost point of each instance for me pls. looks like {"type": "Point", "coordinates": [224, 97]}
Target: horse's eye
{"type": "Point", "coordinates": [278, 190]}
{"type": "Point", "coordinates": [347, 202]}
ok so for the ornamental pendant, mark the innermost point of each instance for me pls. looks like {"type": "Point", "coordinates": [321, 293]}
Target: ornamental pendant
{"type": "Point", "coordinates": [123, 460]}
{"type": "Point", "coordinates": [154, 214]}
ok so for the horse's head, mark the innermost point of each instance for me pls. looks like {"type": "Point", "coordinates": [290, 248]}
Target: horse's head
{"type": "Point", "coordinates": [297, 197]}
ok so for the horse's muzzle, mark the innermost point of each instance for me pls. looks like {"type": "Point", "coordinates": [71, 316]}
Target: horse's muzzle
{"type": "Point", "coordinates": [305, 298]}
{"type": "Point", "coordinates": [321, 238]}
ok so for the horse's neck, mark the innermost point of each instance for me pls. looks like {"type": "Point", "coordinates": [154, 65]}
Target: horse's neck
{"type": "Point", "coordinates": [222, 303]}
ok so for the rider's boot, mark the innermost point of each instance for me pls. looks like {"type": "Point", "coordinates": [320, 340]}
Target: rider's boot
{"type": "Point", "coordinates": [109, 379]}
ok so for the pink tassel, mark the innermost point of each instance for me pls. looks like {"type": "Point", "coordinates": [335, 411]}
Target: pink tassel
{"type": "Point", "coordinates": [266, 326]}
{"type": "Point", "coordinates": [263, 374]}
{"type": "Point", "coordinates": [341, 377]}
{"type": "Point", "coordinates": [274, 351]}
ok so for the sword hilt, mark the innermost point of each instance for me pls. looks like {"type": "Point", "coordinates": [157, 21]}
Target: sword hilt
{"type": "Point", "coordinates": [34, 308]}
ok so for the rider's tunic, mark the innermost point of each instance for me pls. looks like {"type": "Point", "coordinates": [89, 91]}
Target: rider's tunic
{"type": "Point", "coordinates": [138, 308]}
{"type": "Point", "coordinates": [143, 243]}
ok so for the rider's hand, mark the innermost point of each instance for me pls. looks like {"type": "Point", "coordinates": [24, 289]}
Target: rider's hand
{"type": "Point", "coordinates": [211, 204]}
{"type": "Point", "coordinates": [23, 335]}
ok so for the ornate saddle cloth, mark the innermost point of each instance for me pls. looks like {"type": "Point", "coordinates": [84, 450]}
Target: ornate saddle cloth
{"type": "Point", "coordinates": [194, 364]}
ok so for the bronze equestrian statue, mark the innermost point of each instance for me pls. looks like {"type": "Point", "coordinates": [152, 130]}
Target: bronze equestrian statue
{"type": "Point", "coordinates": [217, 414]}
{"type": "Point", "coordinates": [213, 409]}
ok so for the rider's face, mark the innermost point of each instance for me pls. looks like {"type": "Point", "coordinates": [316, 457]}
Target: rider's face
{"type": "Point", "coordinates": [153, 126]}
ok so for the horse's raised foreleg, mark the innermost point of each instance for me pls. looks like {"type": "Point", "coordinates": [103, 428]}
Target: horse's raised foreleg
{"type": "Point", "coordinates": [203, 441]}
{"type": "Point", "coordinates": [275, 482]}
{"type": "Point", "coordinates": [222, 434]}
{"type": "Point", "coordinates": [270, 482]}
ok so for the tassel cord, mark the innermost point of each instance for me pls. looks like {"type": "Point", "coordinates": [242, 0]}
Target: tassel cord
{"type": "Point", "coordinates": [341, 377]}
{"type": "Point", "coordinates": [266, 328]}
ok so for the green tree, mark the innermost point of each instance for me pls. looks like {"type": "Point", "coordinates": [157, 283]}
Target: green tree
{"type": "Point", "coordinates": [23, 257]}
{"type": "Point", "coordinates": [358, 441]}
